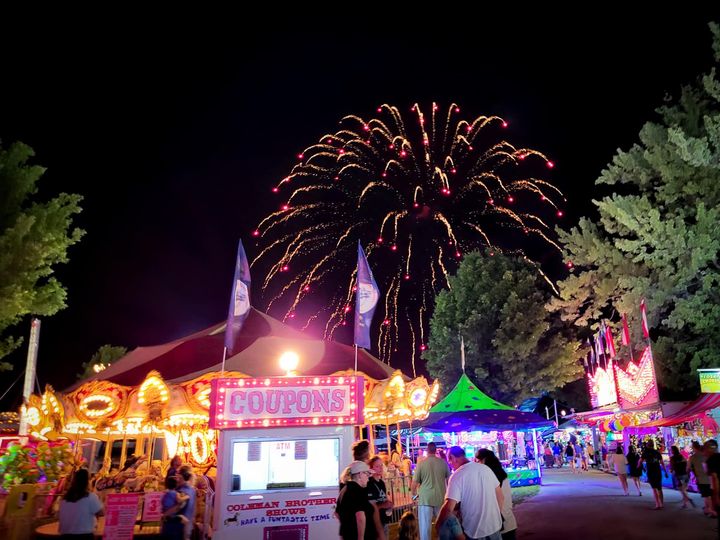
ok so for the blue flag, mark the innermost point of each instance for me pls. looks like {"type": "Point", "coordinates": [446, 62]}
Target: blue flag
{"type": "Point", "coordinates": [239, 300]}
{"type": "Point", "coordinates": [366, 298]}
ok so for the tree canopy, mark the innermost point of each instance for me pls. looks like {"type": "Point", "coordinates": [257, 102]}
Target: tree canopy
{"type": "Point", "coordinates": [34, 238]}
{"type": "Point", "coordinates": [102, 359]}
{"type": "Point", "coordinates": [514, 348]}
{"type": "Point", "coordinates": [657, 237]}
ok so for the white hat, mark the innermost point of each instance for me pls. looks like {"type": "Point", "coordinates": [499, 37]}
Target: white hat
{"type": "Point", "coordinates": [357, 467]}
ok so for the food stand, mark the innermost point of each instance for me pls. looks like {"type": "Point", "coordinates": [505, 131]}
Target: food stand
{"type": "Point", "coordinates": [283, 443]}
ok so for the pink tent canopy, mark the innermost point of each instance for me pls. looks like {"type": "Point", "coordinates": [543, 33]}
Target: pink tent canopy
{"type": "Point", "coordinates": [259, 345]}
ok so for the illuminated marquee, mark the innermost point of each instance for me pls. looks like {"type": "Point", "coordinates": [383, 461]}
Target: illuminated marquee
{"type": "Point", "coordinates": [286, 401]}
{"type": "Point", "coordinates": [602, 387]}
{"type": "Point", "coordinates": [709, 381]}
{"type": "Point", "coordinates": [636, 383]}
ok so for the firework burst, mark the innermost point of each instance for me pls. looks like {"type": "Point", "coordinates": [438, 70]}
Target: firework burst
{"type": "Point", "coordinates": [418, 192]}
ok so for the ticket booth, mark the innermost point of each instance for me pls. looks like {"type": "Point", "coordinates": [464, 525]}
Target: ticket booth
{"type": "Point", "coordinates": [283, 442]}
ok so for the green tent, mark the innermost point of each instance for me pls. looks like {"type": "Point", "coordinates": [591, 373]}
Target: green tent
{"type": "Point", "coordinates": [467, 408]}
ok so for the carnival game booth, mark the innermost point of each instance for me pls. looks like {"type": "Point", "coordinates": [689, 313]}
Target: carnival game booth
{"type": "Point", "coordinates": [469, 418]}
{"type": "Point", "coordinates": [607, 425]}
{"type": "Point", "coordinates": [693, 422]}
{"type": "Point", "coordinates": [621, 397]}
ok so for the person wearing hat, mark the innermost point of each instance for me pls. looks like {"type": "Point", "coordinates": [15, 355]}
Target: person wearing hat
{"type": "Point", "coordinates": [355, 511]}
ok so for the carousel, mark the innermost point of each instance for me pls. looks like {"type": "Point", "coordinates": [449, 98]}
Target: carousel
{"type": "Point", "coordinates": [126, 422]}
{"type": "Point", "coordinates": [109, 423]}
{"type": "Point", "coordinates": [166, 412]}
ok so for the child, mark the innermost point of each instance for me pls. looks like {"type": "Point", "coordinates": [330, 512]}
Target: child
{"type": "Point", "coordinates": [408, 527]}
{"type": "Point", "coordinates": [173, 523]}
{"type": "Point", "coordinates": [451, 528]}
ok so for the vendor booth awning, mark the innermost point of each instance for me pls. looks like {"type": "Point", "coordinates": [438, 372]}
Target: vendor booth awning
{"type": "Point", "coordinates": [705, 403]}
{"type": "Point", "coordinates": [258, 347]}
{"type": "Point", "coordinates": [467, 408]}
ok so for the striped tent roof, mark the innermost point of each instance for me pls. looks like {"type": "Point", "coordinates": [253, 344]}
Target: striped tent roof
{"type": "Point", "coordinates": [690, 412]}
{"type": "Point", "coordinates": [258, 346]}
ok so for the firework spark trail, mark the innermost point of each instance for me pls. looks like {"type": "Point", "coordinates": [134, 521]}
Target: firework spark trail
{"type": "Point", "coordinates": [418, 191]}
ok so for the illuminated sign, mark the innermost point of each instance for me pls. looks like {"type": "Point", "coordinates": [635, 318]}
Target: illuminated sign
{"type": "Point", "coordinates": [602, 387]}
{"type": "Point", "coordinates": [286, 401]}
{"type": "Point", "coordinates": [636, 383]}
{"type": "Point", "coordinates": [709, 381]}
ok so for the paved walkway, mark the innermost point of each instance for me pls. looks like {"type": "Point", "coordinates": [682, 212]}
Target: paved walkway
{"type": "Point", "coordinates": [591, 506]}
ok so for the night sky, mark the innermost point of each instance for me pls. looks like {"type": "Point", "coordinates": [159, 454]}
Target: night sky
{"type": "Point", "coordinates": [175, 136]}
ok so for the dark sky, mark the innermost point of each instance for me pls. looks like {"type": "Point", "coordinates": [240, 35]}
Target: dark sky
{"type": "Point", "coordinates": [174, 134]}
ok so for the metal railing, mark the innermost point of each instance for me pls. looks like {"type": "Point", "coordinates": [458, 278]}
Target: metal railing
{"type": "Point", "coordinates": [399, 489]}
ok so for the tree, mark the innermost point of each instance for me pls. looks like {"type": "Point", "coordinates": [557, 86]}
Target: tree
{"type": "Point", "coordinates": [514, 348]}
{"type": "Point", "coordinates": [103, 358]}
{"type": "Point", "coordinates": [34, 238]}
{"type": "Point", "coordinates": [658, 238]}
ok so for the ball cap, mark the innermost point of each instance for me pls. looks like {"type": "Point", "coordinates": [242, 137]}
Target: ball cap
{"type": "Point", "coordinates": [357, 467]}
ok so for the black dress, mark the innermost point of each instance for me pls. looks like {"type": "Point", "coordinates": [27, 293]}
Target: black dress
{"type": "Point", "coordinates": [633, 470]}
{"type": "Point", "coordinates": [652, 459]}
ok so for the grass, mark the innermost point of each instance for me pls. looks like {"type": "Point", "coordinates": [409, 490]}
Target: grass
{"type": "Point", "coordinates": [522, 494]}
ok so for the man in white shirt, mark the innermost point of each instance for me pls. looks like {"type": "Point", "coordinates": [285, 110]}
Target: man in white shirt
{"type": "Point", "coordinates": [476, 487]}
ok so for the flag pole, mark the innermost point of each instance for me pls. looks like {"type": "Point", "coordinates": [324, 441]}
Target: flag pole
{"type": "Point", "coordinates": [646, 328]}
{"type": "Point", "coordinates": [223, 360]}
{"type": "Point", "coordinates": [356, 355]}
{"type": "Point", "coordinates": [626, 339]}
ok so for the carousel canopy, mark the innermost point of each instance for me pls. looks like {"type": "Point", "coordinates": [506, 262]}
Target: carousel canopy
{"type": "Point", "coordinates": [466, 408]}
{"type": "Point", "coordinates": [257, 349]}
{"type": "Point", "coordinates": [689, 412]}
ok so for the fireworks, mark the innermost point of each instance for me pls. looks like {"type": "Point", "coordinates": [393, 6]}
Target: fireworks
{"type": "Point", "coordinates": [418, 192]}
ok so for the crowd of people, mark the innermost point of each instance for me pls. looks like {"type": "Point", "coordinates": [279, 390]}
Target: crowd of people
{"type": "Point", "coordinates": [466, 500]}
{"type": "Point", "coordinates": [80, 505]}
{"type": "Point", "coordinates": [472, 502]}
{"type": "Point", "coordinates": [578, 455]}
{"type": "Point", "coordinates": [703, 464]}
